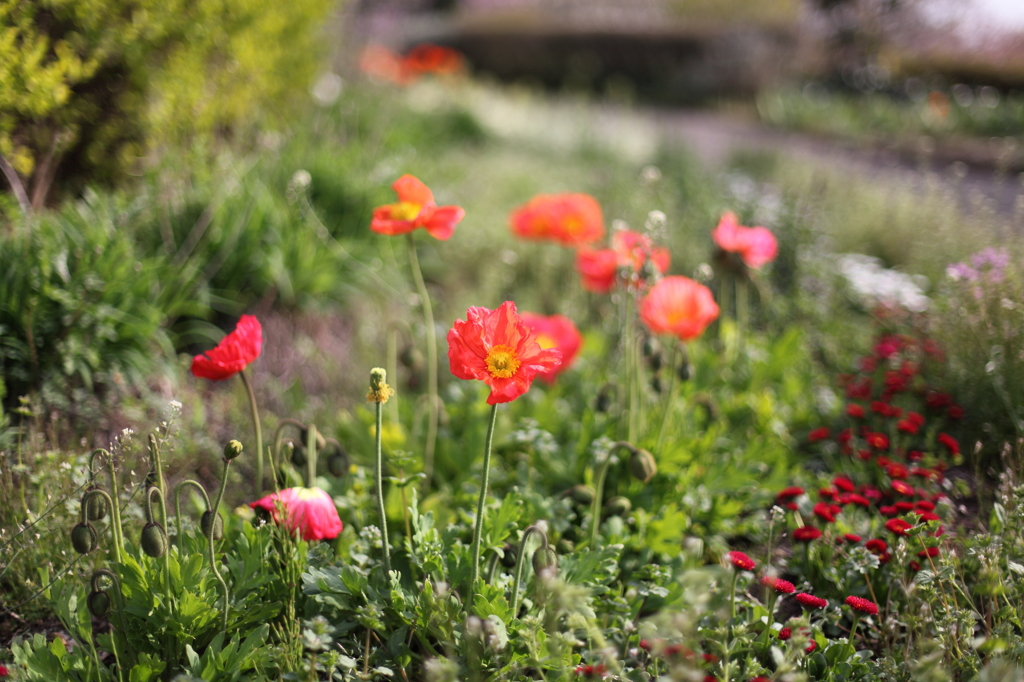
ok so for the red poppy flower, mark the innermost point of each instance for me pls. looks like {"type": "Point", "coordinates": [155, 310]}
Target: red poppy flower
{"type": "Point", "coordinates": [635, 249]}
{"type": "Point", "coordinates": [897, 526]}
{"type": "Point", "coordinates": [415, 209]}
{"type": "Point", "coordinates": [680, 306]}
{"type": "Point", "coordinates": [429, 58]}
{"type": "Point", "coordinates": [778, 584]}
{"type": "Point", "coordinates": [741, 561]}
{"type": "Point", "coordinates": [570, 219]}
{"type": "Point", "coordinates": [599, 268]}
{"type": "Point", "coordinates": [785, 634]}
{"type": "Point", "coordinates": [820, 433]}
{"type": "Point", "coordinates": [308, 512]}
{"type": "Point", "coordinates": [806, 534]}
{"type": "Point", "coordinates": [754, 245]}
{"type": "Point", "coordinates": [380, 63]}
{"type": "Point", "coordinates": [810, 601]}
{"type": "Point", "coordinates": [863, 605]}
{"type": "Point", "coordinates": [234, 352]}
{"type": "Point", "coordinates": [498, 348]}
{"type": "Point", "coordinates": [555, 331]}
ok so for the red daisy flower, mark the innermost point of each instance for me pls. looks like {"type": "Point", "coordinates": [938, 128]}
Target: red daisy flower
{"type": "Point", "coordinates": [234, 352]}
{"type": "Point", "coordinates": [811, 647]}
{"type": "Point", "coordinates": [789, 493]}
{"type": "Point", "coordinates": [897, 526]}
{"type": "Point", "coordinates": [876, 545]}
{"type": "Point", "coordinates": [878, 441]}
{"type": "Point", "coordinates": [778, 584]}
{"type": "Point", "coordinates": [854, 410]}
{"type": "Point", "coordinates": [863, 605]}
{"type": "Point", "coordinates": [555, 331]}
{"type": "Point", "coordinates": [820, 433]}
{"type": "Point", "coordinates": [810, 601]}
{"type": "Point", "coordinates": [307, 512]}
{"type": "Point", "coordinates": [498, 348]}
{"type": "Point", "coordinates": [844, 484]}
{"type": "Point", "coordinates": [852, 538]}
{"type": "Point", "coordinates": [741, 561]}
{"type": "Point", "coordinates": [806, 534]}
{"type": "Point", "coordinates": [679, 306]}
{"type": "Point", "coordinates": [415, 208]}
{"type": "Point", "coordinates": [929, 552]}
{"type": "Point", "coordinates": [951, 443]}
{"type": "Point", "coordinates": [785, 634]}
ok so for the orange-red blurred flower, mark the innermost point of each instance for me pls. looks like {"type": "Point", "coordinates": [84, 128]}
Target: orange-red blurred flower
{"type": "Point", "coordinates": [680, 306]}
{"type": "Point", "coordinates": [415, 208]}
{"type": "Point", "coordinates": [234, 352]}
{"type": "Point", "coordinates": [755, 245]}
{"type": "Point", "coordinates": [555, 331]}
{"type": "Point", "coordinates": [598, 268]}
{"type": "Point", "coordinates": [429, 58]}
{"type": "Point", "coordinates": [309, 512]}
{"type": "Point", "coordinates": [498, 348]}
{"type": "Point", "coordinates": [380, 63]}
{"type": "Point", "coordinates": [570, 219]}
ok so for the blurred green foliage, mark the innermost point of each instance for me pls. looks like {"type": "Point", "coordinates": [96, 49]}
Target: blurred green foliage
{"type": "Point", "coordinates": [89, 86]}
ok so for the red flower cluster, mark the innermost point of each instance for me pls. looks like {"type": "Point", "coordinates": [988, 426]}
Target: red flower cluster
{"type": "Point", "coordinates": [573, 220]}
{"type": "Point", "coordinates": [630, 251]}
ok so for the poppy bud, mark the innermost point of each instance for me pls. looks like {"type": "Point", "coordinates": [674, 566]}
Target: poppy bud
{"type": "Point", "coordinates": [656, 384]}
{"type": "Point", "coordinates": [99, 603]}
{"type": "Point", "coordinates": [651, 347]}
{"type": "Point", "coordinates": [566, 546]}
{"type": "Point", "coordinates": [642, 465]}
{"type": "Point", "coordinates": [685, 371]}
{"type": "Point", "coordinates": [338, 464]}
{"type": "Point", "coordinates": [96, 507]}
{"type": "Point", "coordinates": [232, 449]}
{"type": "Point", "coordinates": [618, 506]}
{"type": "Point", "coordinates": [298, 456]}
{"type": "Point", "coordinates": [209, 522]}
{"type": "Point", "coordinates": [604, 398]}
{"type": "Point", "coordinates": [84, 538]}
{"type": "Point", "coordinates": [154, 540]}
{"type": "Point", "coordinates": [411, 358]}
{"type": "Point", "coordinates": [582, 494]}
{"type": "Point", "coordinates": [545, 559]}
{"type": "Point", "coordinates": [508, 558]}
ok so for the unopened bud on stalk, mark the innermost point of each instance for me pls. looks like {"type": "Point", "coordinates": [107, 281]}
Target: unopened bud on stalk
{"type": "Point", "coordinates": [545, 560]}
{"type": "Point", "coordinates": [685, 371]}
{"type": "Point", "coordinates": [642, 465]}
{"type": "Point", "coordinates": [232, 449]}
{"type": "Point", "coordinates": [96, 507]}
{"type": "Point", "coordinates": [298, 453]}
{"type": "Point", "coordinates": [154, 540]}
{"type": "Point", "coordinates": [618, 506]}
{"type": "Point", "coordinates": [99, 603]}
{"type": "Point", "coordinates": [582, 494]}
{"type": "Point", "coordinates": [212, 522]}
{"type": "Point", "coordinates": [338, 464]}
{"type": "Point", "coordinates": [84, 538]}
{"type": "Point", "coordinates": [604, 398]}
{"type": "Point", "coordinates": [379, 389]}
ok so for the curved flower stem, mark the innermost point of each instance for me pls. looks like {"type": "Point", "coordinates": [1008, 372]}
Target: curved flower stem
{"type": "Point", "coordinates": [259, 431]}
{"type": "Point", "coordinates": [428, 319]}
{"type": "Point", "coordinates": [177, 502]}
{"type": "Point", "coordinates": [122, 629]}
{"type": "Point", "coordinates": [209, 544]}
{"type": "Point", "coordinates": [519, 564]}
{"type": "Point", "coordinates": [772, 596]}
{"type": "Point", "coordinates": [161, 486]}
{"type": "Point", "coordinates": [479, 523]}
{"type": "Point", "coordinates": [380, 492]}
{"type": "Point", "coordinates": [853, 628]}
{"type": "Point", "coordinates": [602, 474]}
{"type": "Point", "coordinates": [115, 507]}
{"type": "Point", "coordinates": [668, 394]}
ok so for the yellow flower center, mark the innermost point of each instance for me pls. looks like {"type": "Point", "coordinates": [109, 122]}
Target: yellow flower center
{"type": "Point", "coordinates": [502, 362]}
{"type": "Point", "coordinates": [405, 210]}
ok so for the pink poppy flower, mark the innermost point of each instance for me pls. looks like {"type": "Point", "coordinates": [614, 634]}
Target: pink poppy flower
{"type": "Point", "coordinates": [308, 512]}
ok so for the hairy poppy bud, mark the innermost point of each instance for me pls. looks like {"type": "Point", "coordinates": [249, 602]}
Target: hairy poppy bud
{"type": "Point", "coordinates": [298, 456]}
{"type": "Point", "coordinates": [604, 398]}
{"type": "Point", "coordinates": [566, 546]}
{"type": "Point", "coordinates": [99, 603]}
{"type": "Point", "coordinates": [642, 465]}
{"type": "Point", "coordinates": [684, 371]}
{"type": "Point", "coordinates": [209, 521]}
{"type": "Point", "coordinates": [96, 507]}
{"type": "Point", "coordinates": [656, 384]}
{"type": "Point", "coordinates": [338, 464]}
{"type": "Point", "coordinates": [618, 506]}
{"type": "Point", "coordinates": [508, 558]}
{"type": "Point", "coordinates": [582, 494]}
{"type": "Point", "coordinates": [545, 559]}
{"type": "Point", "coordinates": [232, 449]}
{"type": "Point", "coordinates": [84, 538]}
{"type": "Point", "coordinates": [154, 540]}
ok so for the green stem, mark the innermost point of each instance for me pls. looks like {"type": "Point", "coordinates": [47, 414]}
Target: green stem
{"type": "Point", "coordinates": [115, 507]}
{"type": "Point", "coordinates": [742, 310]}
{"type": "Point", "coordinates": [122, 664]}
{"type": "Point", "coordinates": [519, 564]}
{"type": "Point", "coordinates": [161, 485]}
{"type": "Point", "coordinates": [311, 456]}
{"type": "Point", "coordinates": [209, 545]}
{"type": "Point", "coordinates": [259, 431]}
{"type": "Point", "coordinates": [177, 503]}
{"type": "Point", "coordinates": [602, 474]}
{"type": "Point", "coordinates": [772, 596]}
{"type": "Point", "coordinates": [853, 628]}
{"type": "Point", "coordinates": [428, 319]}
{"type": "Point", "coordinates": [479, 522]}
{"type": "Point", "coordinates": [668, 395]}
{"type": "Point", "coordinates": [380, 492]}
{"type": "Point", "coordinates": [732, 616]}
